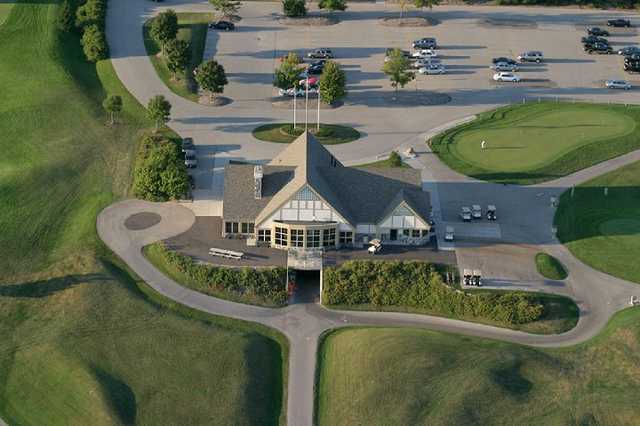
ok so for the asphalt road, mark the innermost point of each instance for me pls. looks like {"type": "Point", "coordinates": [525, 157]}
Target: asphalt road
{"type": "Point", "coordinates": [223, 133]}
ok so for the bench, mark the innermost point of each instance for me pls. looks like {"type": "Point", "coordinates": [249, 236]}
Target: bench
{"type": "Point", "coordinates": [229, 254]}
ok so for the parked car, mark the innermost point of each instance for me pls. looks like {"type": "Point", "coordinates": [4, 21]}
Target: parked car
{"type": "Point", "coordinates": [297, 92]}
{"type": "Point", "coordinates": [449, 233]}
{"type": "Point", "coordinates": [632, 66]}
{"type": "Point", "coordinates": [311, 81]}
{"type": "Point", "coordinates": [222, 25]}
{"type": "Point", "coordinates": [632, 58]}
{"type": "Point", "coordinates": [433, 69]}
{"type": "Point", "coordinates": [426, 62]}
{"type": "Point", "coordinates": [465, 214]}
{"type": "Point", "coordinates": [492, 212]}
{"type": "Point", "coordinates": [425, 53]}
{"type": "Point", "coordinates": [504, 60]}
{"type": "Point", "coordinates": [617, 84]}
{"type": "Point", "coordinates": [619, 23]}
{"type": "Point", "coordinates": [187, 144]}
{"type": "Point", "coordinates": [425, 43]}
{"type": "Point", "coordinates": [192, 182]}
{"type": "Point", "coordinates": [189, 152]}
{"type": "Point", "coordinates": [503, 66]}
{"type": "Point", "coordinates": [476, 211]}
{"type": "Point", "coordinates": [596, 31]}
{"type": "Point", "coordinates": [190, 161]}
{"type": "Point", "coordinates": [629, 50]}
{"type": "Point", "coordinates": [506, 76]}
{"type": "Point", "coordinates": [531, 56]}
{"type": "Point", "coordinates": [601, 48]}
{"type": "Point", "coordinates": [594, 39]}
{"type": "Point", "coordinates": [321, 54]}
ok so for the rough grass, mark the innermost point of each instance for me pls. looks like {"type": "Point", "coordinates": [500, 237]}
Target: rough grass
{"type": "Point", "coordinates": [5, 8]}
{"type": "Point", "coordinates": [538, 142]}
{"type": "Point", "coordinates": [550, 267]}
{"type": "Point", "coordinates": [604, 231]}
{"type": "Point", "coordinates": [335, 134]}
{"type": "Point", "coordinates": [192, 29]}
{"type": "Point", "coordinates": [383, 376]}
{"type": "Point", "coordinates": [81, 342]}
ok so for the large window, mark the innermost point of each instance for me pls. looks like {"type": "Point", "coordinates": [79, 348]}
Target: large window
{"type": "Point", "coordinates": [329, 237]}
{"type": "Point", "coordinates": [231, 227]}
{"type": "Point", "coordinates": [297, 238]}
{"type": "Point", "coordinates": [346, 237]}
{"type": "Point", "coordinates": [264, 235]}
{"type": "Point", "coordinates": [313, 238]}
{"type": "Point", "coordinates": [281, 236]}
{"type": "Point", "coordinates": [415, 233]}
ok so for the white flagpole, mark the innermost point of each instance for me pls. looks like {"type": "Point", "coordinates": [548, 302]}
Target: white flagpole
{"type": "Point", "coordinates": [295, 101]}
{"type": "Point", "coordinates": [306, 105]}
{"type": "Point", "coordinates": [318, 126]}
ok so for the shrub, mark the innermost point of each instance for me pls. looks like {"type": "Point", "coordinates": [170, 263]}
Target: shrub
{"type": "Point", "coordinates": [294, 8]}
{"type": "Point", "coordinates": [265, 286]}
{"type": "Point", "coordinates": [94, 44]}
{"type": "Point", "coordinates": [66, 14]}
{"type": "Point", "coordinates": [420, 286]}
{"type": "Point", "coordinates": [159, 172]}
{"type": "Point", "coordinates": [394, 159]}
{"type": "Point", "coordinates": [93, 12]}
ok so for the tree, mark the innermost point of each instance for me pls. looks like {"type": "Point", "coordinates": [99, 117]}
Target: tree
{"type": "Point", "coordinates": [333, 5]}
{"type": "Point", "coordinates": [332, 83]}
{"type": "Point", "coordinates": [211, 77]}
{"type": "Point", "coordinates": [159, 110]}
{"type": "Point", "coordinates": [66, 17]}
{"type": "Point", "coordinates": [394, 159]}
{"type": "Point", "coordinates": [398, 69]}
{"type": "Point", "coordinates": [287, 75]}
{"type": "Point", "coordinates": [92, 12]}
{"type": "Point", "coordinates": [421, 4]}
{"type": "Point", "coordinates": [177, 55]}
{"type": "Point", "coordinates": [164, 28]}
{"type": "Point", "coordinates": [294, 8]}
{"type": "Point", "coordinates": [226, 8]}
{"type": "Point", "coordinates": [94, 44]}
{"type": "Point", "coordinates": [403, 6]}
{"type": "Point", "coordinates": [113, 105]}
{"type": "Point", "coordinates": [159, 173]}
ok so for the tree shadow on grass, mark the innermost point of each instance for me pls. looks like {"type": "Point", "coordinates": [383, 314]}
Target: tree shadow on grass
{"type": "Point", "coordinates": [44, 288]}
{"type": "Point", "coordinates": [118, 394]}
{"type": "Point", "coordinates": [510, 379]}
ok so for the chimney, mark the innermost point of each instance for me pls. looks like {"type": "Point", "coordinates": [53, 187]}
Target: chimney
{"type": "Point", "coordinates": [257, 182]}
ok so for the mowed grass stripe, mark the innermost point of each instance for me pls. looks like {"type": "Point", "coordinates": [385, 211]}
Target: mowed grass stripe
{"type": "Point", "coordinates": [395, 376]}
{"type": "Point", "coordinates": [81, 340]}
{"type": "Point", "coordinates": [537, 142]}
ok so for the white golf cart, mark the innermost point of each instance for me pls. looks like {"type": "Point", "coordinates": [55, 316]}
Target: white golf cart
{"type": "Point", "coordinates": [465, 214]}
{"type": "Point", "coordinates": [448, 233]}
{"type": "Point", "coordinates": [375, 246]}
{"type": "Point", "coordinates": [476, 211]}
{"type": "Point", "coordinates": [492, 212]}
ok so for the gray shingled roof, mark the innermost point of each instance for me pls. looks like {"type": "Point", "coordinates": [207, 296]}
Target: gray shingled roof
{"type": "Point", "coordinates": [360, 195]}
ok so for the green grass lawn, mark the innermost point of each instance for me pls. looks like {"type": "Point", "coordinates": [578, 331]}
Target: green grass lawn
{"type": "Point", "coordinates": [330, 134]}
{"type": "Point", "coordinates": [5, 8]}
{"type": "Point", "coordinates": [604, 231]}
{"type": "Point", "coordinates": [81, 341]}
{"type": "Point", "coordinates": [550, 267]}
{"type": "Point", "coordinates": [193, 29]}
{"type": "Point", "coordinates": [539, 141]}
{"type": "Point", "coordinates": [401, 376]}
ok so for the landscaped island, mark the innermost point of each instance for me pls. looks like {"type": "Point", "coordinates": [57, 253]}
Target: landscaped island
{"type": "Point", "coordinates": [530, 143]}
{"type": "Point", "coordinates": [329, 134]}
{"type": "Point", "coordinates": [382, 376]}
{"type": "Point", "coordinates": [603, 229]}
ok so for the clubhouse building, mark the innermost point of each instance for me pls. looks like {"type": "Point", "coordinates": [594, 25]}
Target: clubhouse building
{"type": "Point", "coordinates": [306, 199]}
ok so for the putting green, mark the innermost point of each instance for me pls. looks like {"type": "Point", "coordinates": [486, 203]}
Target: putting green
{"type": "Point", "coordinates": [601, 230]}
{"type": "Point", "coordinates": [536, 142]}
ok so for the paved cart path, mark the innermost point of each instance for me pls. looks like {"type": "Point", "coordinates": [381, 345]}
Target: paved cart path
{"type": "Point", "coordinates": [224, 133]}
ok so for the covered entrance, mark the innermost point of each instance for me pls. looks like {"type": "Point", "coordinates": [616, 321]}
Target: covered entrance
{"type": "Point", "coordinates": [303, 273]}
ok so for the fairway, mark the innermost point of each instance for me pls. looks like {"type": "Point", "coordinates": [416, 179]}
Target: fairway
{"type": "Point", "coordinates": [384, 376]}
{"type": "Point", "coordinates": [81, 341]}
{"type": "Point", "coordinates": [604, 231]}
{"type": "Point", "coordinates": [535, 142]}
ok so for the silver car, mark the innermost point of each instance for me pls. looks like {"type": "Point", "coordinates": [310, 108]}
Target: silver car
{"type": "Point", "coordinates": [433, 69]}
{"type": "Point", "coordinates": [504, 66]}
{"type": "Point", "coordinates": [190, 161]}
{"type": "Point", "coordinates": [617, 84]}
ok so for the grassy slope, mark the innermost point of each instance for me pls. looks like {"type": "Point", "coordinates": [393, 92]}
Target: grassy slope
{"type": "Point", "coordinates": [79, 342]}
{"type": "Point", "coordinates": [5, 8]}
{"type": "Point", "coordinates": [539, 142]}
{"type": "Point", "coordinates": [381, 376]}
{"type": "Point", "coordinates": [339, 134]}
{"type": "Point", "coordinates": [550, 267]}
{"type": "Point", "coordinates": [193, 29]}
{"type": "Point", "coordinates": [604, 231]}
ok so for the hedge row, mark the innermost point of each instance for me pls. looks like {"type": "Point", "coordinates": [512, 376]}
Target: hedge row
{"type": "Point", "coordinates": [420, 286]}
{"type": "Point", "coordinates": [605, 4]}
{"type": "Point", "coordinates": [263, 287]}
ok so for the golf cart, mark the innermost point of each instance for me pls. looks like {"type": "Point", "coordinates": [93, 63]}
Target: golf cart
{"type": "Point", "coordinates": [466, 277]}
{"type": "Point", "coordinates": [448, 233]}
{"type": "Point", "coordinates": [465, 214]}
{"type": "Point", "coordinates": [476, 211]}
{"type": "Point", "coordinates": [374, 246]}
{"type": "Point", "coordinates": [491, 212]}
{"type": "Point", "coordinates": [476, 279]}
